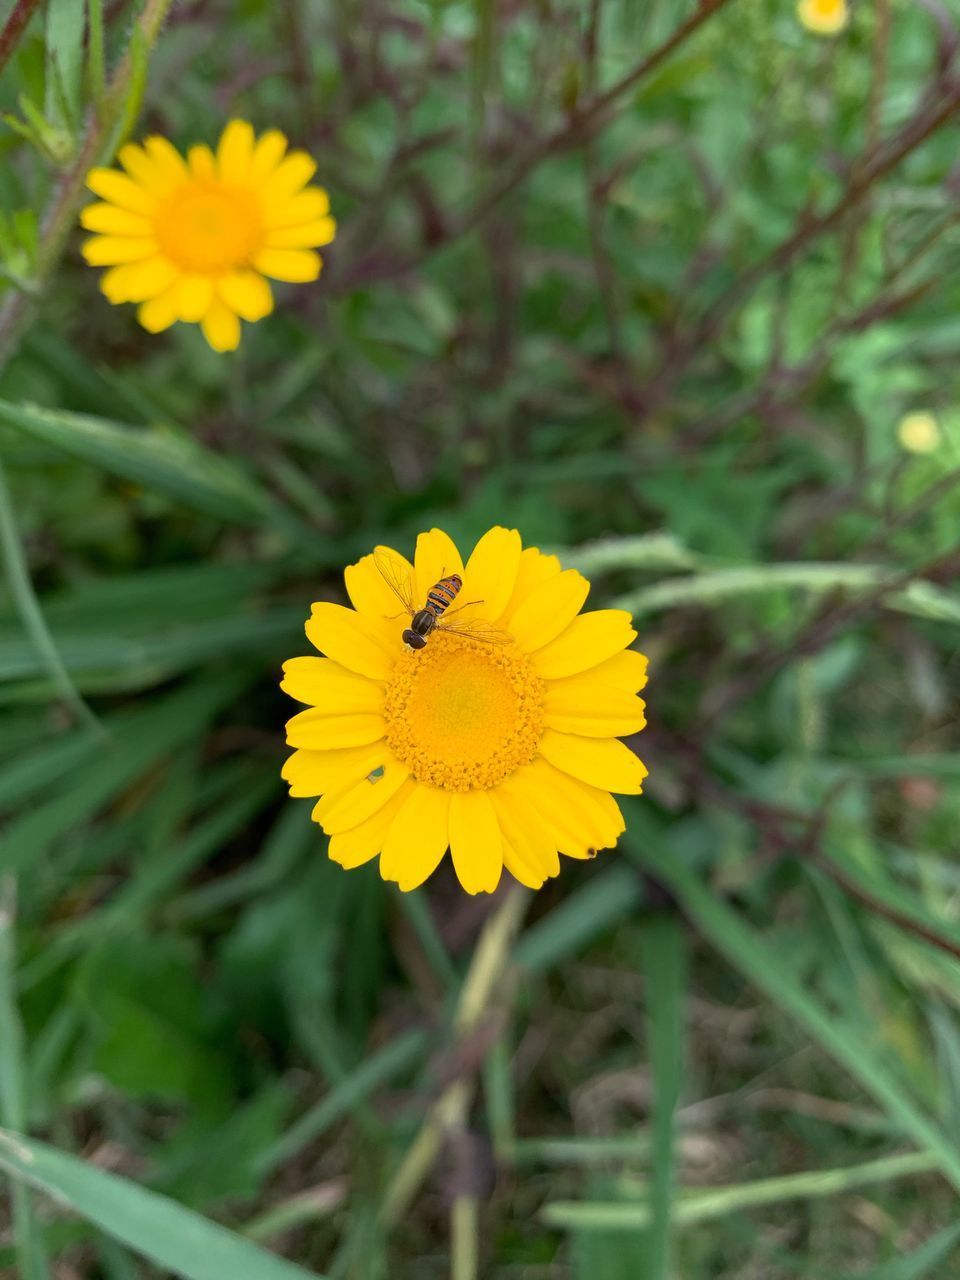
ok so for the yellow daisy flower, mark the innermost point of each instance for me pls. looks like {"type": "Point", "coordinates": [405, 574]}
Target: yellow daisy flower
{"type": "Point", "coordinates": [824, 17]}
{"type": "Point", "coordinates": [491, 729]}
{"type": "Point", "coordinates": [192, 239]}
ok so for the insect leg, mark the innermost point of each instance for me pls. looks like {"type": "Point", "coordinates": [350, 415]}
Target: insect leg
{"type": "Point", "coordinates": [466, 605]}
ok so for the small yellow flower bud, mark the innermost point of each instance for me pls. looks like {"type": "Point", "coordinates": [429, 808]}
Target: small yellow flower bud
{"type": "Point", "coordinates": [824, 17]}
{"type": "Point", "coordinates": [919, 432]}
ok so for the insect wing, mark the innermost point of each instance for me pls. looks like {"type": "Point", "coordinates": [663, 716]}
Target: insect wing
{"type": "Point", "coordinates": [397, 577]}
{"type": "Point", "coordinates": [475, 629]}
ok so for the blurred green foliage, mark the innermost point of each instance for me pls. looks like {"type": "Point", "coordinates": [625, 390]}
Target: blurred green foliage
{"type": "Point", "coordinates": [661, 302]}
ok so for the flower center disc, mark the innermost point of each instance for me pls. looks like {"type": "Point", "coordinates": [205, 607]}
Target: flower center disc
{"type": "Point", "coordinates": [208, 228]}
{"type": "Point", "coordinates": [463, 714]}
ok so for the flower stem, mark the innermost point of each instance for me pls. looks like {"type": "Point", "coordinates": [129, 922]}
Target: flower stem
{"type": "Point", "coordinates": [464, 1238]}
{"type": "Point", "coordinates": [449, 1112]}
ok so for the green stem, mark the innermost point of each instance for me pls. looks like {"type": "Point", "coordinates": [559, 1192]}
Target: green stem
{"type": "Point", "coordinates": [448, 1113]}
{"type": "Point", "coordinates": [700, 1205]}
{"type": "Point", "coordinates": [60, 217]}
{"type": "Point", "coordinates": [714, 585]}
{"type": "Point", "coordinates": [464, 1238]}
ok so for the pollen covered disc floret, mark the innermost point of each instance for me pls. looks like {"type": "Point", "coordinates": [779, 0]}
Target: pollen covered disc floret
{"type": "Point", "coordinates": [498, 741]}
{"type": "Point", "coordinates": [194, 238]}
{"type": "Point", "coordinates": [463, 714]}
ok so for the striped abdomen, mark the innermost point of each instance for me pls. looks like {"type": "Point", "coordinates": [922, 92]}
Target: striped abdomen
{"type": "Point", "coordinates": [442, 594]}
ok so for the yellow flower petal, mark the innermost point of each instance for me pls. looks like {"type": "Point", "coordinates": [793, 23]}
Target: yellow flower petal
{"type": "Point", "coordinates": [220, 326]}
{"type": "Point", "coordinates": [535, 569]}
{"type": "Point", "coordinates": [417, 839]}
{"type": "Point", "coordinates": [341, 810]}
{"type": "Point", "coordinates": [602, 762]}
{"type": "Point", "coordinates": [549, 609]}
{"type": "Point", "coordinates": [436, 556]}
{"type": "Point", "coordinates": [364, 841]}
{"type": "Point", "coordinates": [318, 729]}
{"type": "Point", "coordinates": [109, 251]}
{"type": "Point", "coordinates": [311, 773]}
{"type": "Point", "coordinates": [117, 188]}
{"type": "Point", "coordinates": [196, 294]}
{"type": "Point", "coordinates": [528, 853]}
{"type": "Point", "coordinates": [589, 639]}
{"type": "Point", "coordinates": [626, 670]}
{"type": "Point", "coordinates": [246, 293]}
{"type": "Point", "coordinates": [289, 176]}
{"type": "Point", "coordinates": [167, 162]}
{"type": "Point", "coordinates": [297, 266]}
{"type": "Point", "coordinates": [584, 706]}
{"type": "Point", "coordinates": [490, 573]}
{"type": "Point", "coordinates": [352, 639]}
{"type": "Point", "coordinates": [475, 841]}
{"type": "Point", "coordinates": [111, 220]}
{"type": "Point", "coordinates": [235, 153]}
{"type": "Point", "coordinates": [369, 591]}
{"type": "Point", "coordinates": [309, 206]}
{"type": "Point", "coordinates": [160, 312]}
{"type": "Point", "coordinates": [580, 818]}
{"type": "Point", "coordinates": [138, 281]}
{"type": "Point", "coordinates": [201, 162]}
{"type": "Point", "coordinates": [267, 154]}
{"type": "Point", "coordinates": [319, 682]}
{"type": "Point", "coordinates": [307, 235]}
{"type": "Point", "coordinates": [151, 170]}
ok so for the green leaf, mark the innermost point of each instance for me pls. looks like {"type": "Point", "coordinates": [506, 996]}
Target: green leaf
{"type": "Point", "coordinates": [919, 1262]}
{"type": "Point", "coordinates": [216, 1160]}
{"type": "Point", "coordinates": [606, 899]}
{"type": "Point", "coordinates": [766, 968]}
{"type": "Point", "coordinates": [64, 40]}
{"type": "Point", "coordinates": [42, 644]}
{"type": "Point", "coordinates": [141, 742]}
{"type": "Point", "coordinates": [162, 460]}
{"type": "Point", "coordinates": [390, 1061]}
{"type": "Point", "coordinates": [140, 996]}
{"type": "Point", "coordinates": [135, 652]}
{"type": "Point", "coordinates": [96, 77]}
{"type": "Point", "coordinates": [13, 1089]}
{"type": "Point", "coordinates": [163, 1231]}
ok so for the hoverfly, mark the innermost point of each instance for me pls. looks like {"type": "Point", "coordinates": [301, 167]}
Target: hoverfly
{"type": "Point", "coordinates": [439, 599]}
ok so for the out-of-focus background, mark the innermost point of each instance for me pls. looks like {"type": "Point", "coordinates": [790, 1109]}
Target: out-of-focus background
{"type": "Point", "coordinates": [673, 289]}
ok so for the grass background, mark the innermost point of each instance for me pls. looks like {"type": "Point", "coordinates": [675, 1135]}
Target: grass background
{"type": "Point", "coordinates": [655, 283]}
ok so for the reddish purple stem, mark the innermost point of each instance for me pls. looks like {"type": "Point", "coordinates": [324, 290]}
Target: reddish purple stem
{"type": "Point", "coordinates": [14, 28]}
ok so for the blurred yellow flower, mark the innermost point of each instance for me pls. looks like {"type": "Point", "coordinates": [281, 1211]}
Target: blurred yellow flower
{"type": "Point", "coordinates": [192, 239]}
{"type": "Point", "coordinates": [824, 17]}
{"type": "Point", "coordinates": [490, 728]}
{"type": "Point", "coordinates": [919, 432]}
